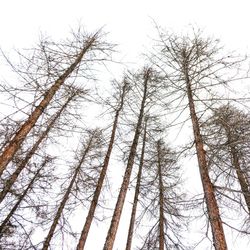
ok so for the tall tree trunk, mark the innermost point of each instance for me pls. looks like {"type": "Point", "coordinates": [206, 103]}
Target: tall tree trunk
{"type": "Point", "coordinates": [241, 178]}
{"type": "Point", "coordinates": [14, 144]}
{"type": "Point", "coordinates": [137, 192]}
{"type": "Point", "coordinates": [94, 202]}
{"type": "Point", "coordinates": [124, 187]}
{"type": "Point", "coordinates": [65, 197]}
{"type": "Point", "coordinates": [24, 162]}
{"type": "Point", "coordinates": [212, 206]}
{"type": "Point", "coordinates": [20, 198]}
{"type": "Point", "coordinates": [161, 200]}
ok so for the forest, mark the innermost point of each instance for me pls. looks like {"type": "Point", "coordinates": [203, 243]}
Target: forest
{"type": "Point", "coordinates": [159, 153]}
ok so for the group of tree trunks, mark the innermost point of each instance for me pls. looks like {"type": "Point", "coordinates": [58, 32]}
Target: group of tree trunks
{"type": "Point", "coordinates": [179, 81]}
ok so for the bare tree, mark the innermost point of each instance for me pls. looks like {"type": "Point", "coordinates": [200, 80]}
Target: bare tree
{"type": "Point", "coordinates": [137, 191]}
{"type": "Point", "coordinates": [22, 196]}
{"type": "Point", "coordinates": [61, 68]}
{"type": "Point", "coordinates": [148, 88]}
{"type": "Point", "coordinates": [28, 209]}
{"type": "Point", "coordinates": [122, 91]}
{"type": "Point", "coordinates": [21, 165]}
{"type": "Point", "coordinates": [192, 66]}
{"type": "Point", "coordinates": [227, 137]}
{"type": "Point", "coordinates": [162, 198]}
{"type": "Point", "coordinates": [91, 143]}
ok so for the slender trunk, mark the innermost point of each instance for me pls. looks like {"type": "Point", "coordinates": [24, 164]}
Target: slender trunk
{"type": "Point", "coordinates": [65, 198]}
{"type": "Point", "coordinates": [137, 192]}
{"type": "Point", "coordinates": [24, 162]}
{"type": "Point", "coordinates": [94, 202]}
{"type": "Point", "coordinates": [241, 178]}
{"type": "Point", "coordinates": [124, 187]}
{"type": "Point", "coordinates": [14, 144]}
{"type": "Point", "coordinates": [20, 199]}
{"type": "Point", "coordinates": [161, 200]}
{"type": "Point", "coordinates": [212, 206]}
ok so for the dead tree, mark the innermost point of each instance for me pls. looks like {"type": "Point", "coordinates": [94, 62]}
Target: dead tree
{"type": "Point", "coordinates": [148, 89]}
{"type": "Point", "coordinates": [192, 66]}
{"type": "Point", "coordinates": [27, 207]}
{"type": "Point", "coordinates": [227, 135]}
{"type": "Point", "coordinates": [161, 199]}
{"type": "Point", "coordinates": [137, 191]}
{"type": "Point", "coordinates": [22, 164]}
{"type": "Point", "coordinates": [122, 92]}
{"type": "Point", "coordinates": [22, 196]}
{"type": "Point", "coordinates": [90, 143]}
{"type": "Point", "coordinates": [86, 44]}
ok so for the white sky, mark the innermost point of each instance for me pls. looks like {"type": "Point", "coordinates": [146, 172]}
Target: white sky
{"type": "Point", "coordinates": [129, 23]}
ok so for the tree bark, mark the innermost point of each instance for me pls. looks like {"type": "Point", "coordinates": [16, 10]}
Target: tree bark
{"type": "Point", "coordinates": [94, 202]}
{"type": "Point", "coordinates": [137, 192]}
{"type": "Point", "coordinates": [161, 200]}
{"type": "Point", "coordinates": [14, 144]}
{"type": "Point", "coordinates": [241, 178]}
{"type": "Point", "coordinates": [236, 164]}
{"type": "Point", "coordinates": [24, 162]}
{"type": "Point", "coordinates": [212, 206]}
{"type": "Point", "coordinates": [65, 197]}
{"type": "Point", "coordinates": [20, 199]}
{"type": "Point", "coordinates": [124, 187]}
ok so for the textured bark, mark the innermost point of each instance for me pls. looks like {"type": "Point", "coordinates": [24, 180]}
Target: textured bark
{"type": "Point", "coordinates": [236, 163]}
{"type": "Point", "coordinates": [212, 206]}
{"type": "Point", "coordinates": [32, 151]}
{"type": "Point", "coordinates": [137, 192]}
{"type": "Point", "coordinates": [124, 187]}
{"type": "Point", "coordinates": [94, 202]}
{"type": "Point", "coordinates": [65, 198]}
{"type": "Point", "coordinates": [10, 150]}
{"type": "Point", "coordinates": [21, 197]}
{"type": "Point", "coordinates": [161, 199]}
{"type": "Point", "coordinates": [240, 175]}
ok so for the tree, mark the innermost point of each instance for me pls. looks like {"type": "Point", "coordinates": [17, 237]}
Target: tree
{"type": "Point", "coordinates": [61, 68]}
{"type": "Point", "coordinates": [15, 223]}
{"type": "Point", "coordinates": [192, 66]}
{"type": "Point", "coordinates": [226, 134]}
{"type": "Point", "coordinates": [137, 191]}
{"type": "Point", "coordinates": [162, 198]}
{"type": "Point", "coordinates": [22, 196]}
{"type": "Point", "coordinates": [92, 142]}
{"type": "Point", "coordinates": [122, 92]}
{"type": "Point", "coordinates": [149, 85]}
{"type": "Point", "coordinates": [22, 163]}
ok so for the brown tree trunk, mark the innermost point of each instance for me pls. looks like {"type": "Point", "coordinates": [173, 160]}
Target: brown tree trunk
{"type": "Point", "coordinates": [94, 202]}
{"type": "Point", "coordinates": [20, 198]}
{"type": "Point", "coordinates": [212, 206]}
{"type": "Point", "coordinates": [161, 200]}
{"type": "Point", "coordinates": [65, 198]}
{"type": "Point", "coordinates": [124, 187]}
{"type": "Point", "coordinates": [241, 178]}
{"type": "Point", "coordinates": [137, 192]}
{"type": "Point", "coordinates": [24, 162]}
{"type": "Point", "coordinates": [14, 144]}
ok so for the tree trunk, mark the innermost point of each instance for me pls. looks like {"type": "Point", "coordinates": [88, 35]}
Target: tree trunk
{"type": "Point", "coordinates": [24, 162]}
{"type": "Point", "coordinates": [94, 202]}
{"type": "Point", "coordinates": [241, 178]}
{"type": "Point", "coordinates": [14, 144]}
{"type": "Point", "coordinates": [20, 198]}
{"type": "Point", "coordinates": [137, 192]}
{"type": "Point", "coordinates": [161, 200]}
{"type": "Point", "coordinates": [124, 187]}
{"type": "Point", "coordinates": [212, 206]}
{"type": "Point", "coordinates": [65, 198]}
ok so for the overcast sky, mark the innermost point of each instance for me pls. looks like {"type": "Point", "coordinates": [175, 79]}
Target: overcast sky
{"type": "Point", "coordinates": [129, 23]}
